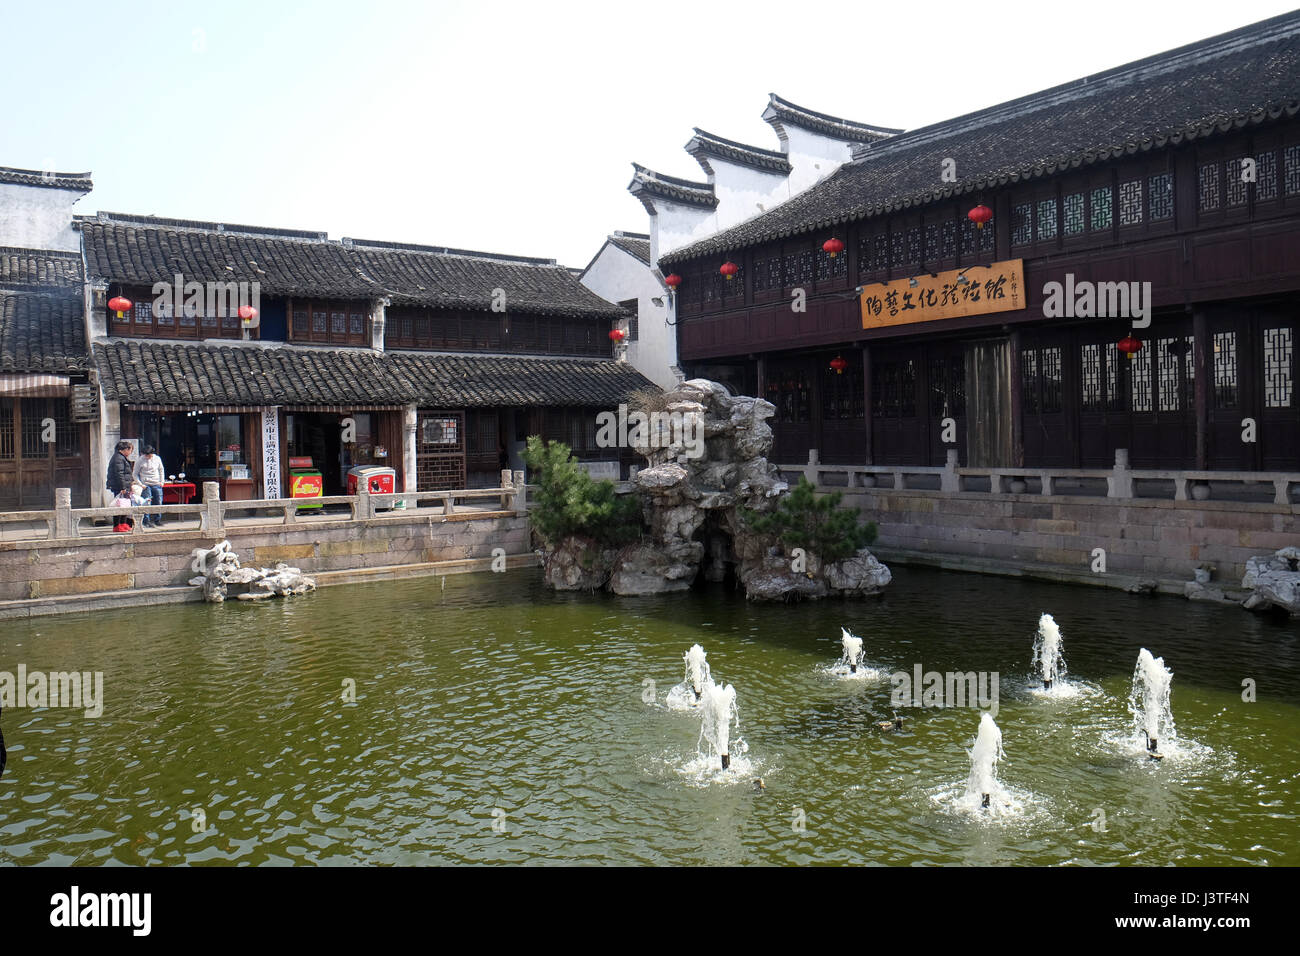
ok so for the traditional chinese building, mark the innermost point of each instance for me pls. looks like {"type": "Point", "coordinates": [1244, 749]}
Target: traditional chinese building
{"type": "Point", "coordinates": [46, 399]}
{"type": "Point", "coordinates": [436, 362]}
{"type": "Point", "coordinates": [1006, 342]}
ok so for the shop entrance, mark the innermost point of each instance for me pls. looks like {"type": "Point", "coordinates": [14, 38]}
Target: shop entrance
{"type": "Point", "coordinates": [202, 446]}
{"type": "Point", "coordinates": [335, 442]}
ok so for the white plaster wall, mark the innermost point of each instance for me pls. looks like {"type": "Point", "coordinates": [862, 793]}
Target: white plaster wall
{"type": "Point", "coordinates": [38, 217]}
{"type": "Point", "coordinates": [675, 225]}
{"type": "Point", "coordinates": [813, 157]}
{"type": "Point", "coordinates": [744, 192]}
{"type": "Point", "coordinates": [616, 277]}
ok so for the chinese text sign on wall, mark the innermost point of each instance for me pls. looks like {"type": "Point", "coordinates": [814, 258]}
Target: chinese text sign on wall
{"type": "Point", "coordinates": [271, 451]}
{"type": "Point", "coordinates": [996, 288]}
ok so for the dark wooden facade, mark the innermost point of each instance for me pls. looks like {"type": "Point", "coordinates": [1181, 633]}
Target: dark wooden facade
{"type": "Point", "coordinates": [1223, 260]}
{"type": "Point", "coordinates": [31, 468]}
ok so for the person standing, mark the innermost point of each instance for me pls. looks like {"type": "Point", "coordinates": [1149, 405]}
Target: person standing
{"type": "Point", "coordinates": [119, 479]}
{"type": "Point", "coordinates": [149, 472]}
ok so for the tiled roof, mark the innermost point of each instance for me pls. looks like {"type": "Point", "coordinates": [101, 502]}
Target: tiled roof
{"type": "Point", "coordinates": [781, 113]}
{"type": "Point", "coordinates": [42, 332]}
{"type": "Point", "coordinates": [1248, 76]}
{"type": "Point", "coordinates": [142, 251]}
{"type": "Point", "coordinates": [146, 372]}
{"type": "Point", "coordinates": [486, 381]}
{"type": "Point", "coordinates": [703, 145]}
{"type": "Point", "coordinates": [79, 182]}
{"type": "Point", "coordinates": [181, 374]}
{"type": "Point", "coordinates": [634, 244]}
{"type": "Point", "coordinates": [39, 269]}
{"type": "Point", "coordinates": [648, 185]}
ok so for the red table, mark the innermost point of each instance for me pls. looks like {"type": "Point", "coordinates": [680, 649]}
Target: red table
{"type": "Point", "coordinates": [178, 492]}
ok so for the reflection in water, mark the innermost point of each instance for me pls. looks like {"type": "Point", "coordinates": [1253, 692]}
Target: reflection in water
{"type": "Point", "coordinates": [497, 722]}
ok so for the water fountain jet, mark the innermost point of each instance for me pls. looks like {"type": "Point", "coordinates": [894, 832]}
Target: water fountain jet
{"type": "Point", "coordinates": [1149, 702]}
{"type": "Point", "coordinates": [1047, 656]}
{"type": "Point", "coordinates": [697, 669]}
{"type": "Point", "coordinates": [718, 710]}
{"type": "Point", "coordinates": [852, 650]}
{"type": "Point", "coordinates": [984, 756]}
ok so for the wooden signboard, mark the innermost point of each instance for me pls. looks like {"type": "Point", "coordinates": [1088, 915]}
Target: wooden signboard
{"type": "Point", "coordinates": [996, 288]}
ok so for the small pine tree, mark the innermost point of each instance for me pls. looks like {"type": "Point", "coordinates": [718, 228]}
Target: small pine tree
{"type": "Point", "coordinates": [819, 525]}
{"type": "Point", "coordinates": [570, 503]}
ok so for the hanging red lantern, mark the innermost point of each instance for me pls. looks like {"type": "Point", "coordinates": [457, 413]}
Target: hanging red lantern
{"type": "Point", "coordinates": [839, 364]}
{"type": "Point", "coordinates": [980, 215]}
{"type": "Point", "coordinates": [729, 269]}
{"type": "Point", "coordinates": [120, 304]}
{"type": "Point", "coordinates": [247, 313]}
{"type": "Point", "coordinates": [1129, 345]}
{"type": "Point", "coordinates": [673, 280]}
{"type": "Point", "coordinates": [617, 335]}
{"type": "Point", "coordinates": [833, 247]}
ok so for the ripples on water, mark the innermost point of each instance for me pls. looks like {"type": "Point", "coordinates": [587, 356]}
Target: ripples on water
{"type": "Point", "coordinates": [499, 722]}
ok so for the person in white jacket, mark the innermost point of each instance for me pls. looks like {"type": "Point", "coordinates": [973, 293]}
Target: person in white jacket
{"type": "Point", "coordinates": [149, 472]}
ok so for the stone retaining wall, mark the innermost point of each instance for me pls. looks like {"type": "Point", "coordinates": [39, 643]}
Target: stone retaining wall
{"type": "Point", "coordinates": [1143, 538]}
{"type": "Point", "coordinates": [49, 569]}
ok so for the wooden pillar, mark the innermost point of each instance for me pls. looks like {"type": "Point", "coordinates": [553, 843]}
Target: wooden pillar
{"type": "Point", "coordinates": [1017, 403]}
{"type": "Point", "coordinates": [761, 387]}
{"type": "Point", "coordinates": [1201, 386]}
{"type": "Point", "coordinates": [866, 401]}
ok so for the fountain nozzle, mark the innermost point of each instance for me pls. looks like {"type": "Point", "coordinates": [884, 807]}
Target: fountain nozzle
{"type": "Point", "coordinates": [726, 761]}
{"type": "Point", "coordinates": [984, 804]}
{"type": "Point", "coordinates": [853, 668]}
{"type": "Point", "coordinates": [1047, 685]}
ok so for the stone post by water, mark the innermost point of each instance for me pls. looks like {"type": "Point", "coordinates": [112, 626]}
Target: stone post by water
{"type": "Point", "coordinates": [1120, 482]}
{"type": "Point", "coordinates": [950, 480]}
{"type": "Point", "coordinates": [212, 522]}
{"type": "Point", "coordinates": [521, 493]}
{"type": "Point", "coordinates": [64, 524]}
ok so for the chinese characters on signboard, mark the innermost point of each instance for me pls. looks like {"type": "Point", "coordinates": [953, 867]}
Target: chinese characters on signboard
{"type": "Point", "coordinates": [271, 451]}
{"type": "Point", "coordinates": [972, 291]}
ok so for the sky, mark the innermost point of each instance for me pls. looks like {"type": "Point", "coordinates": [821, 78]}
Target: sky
{"type": "Point", "coordinates": [502, 126]}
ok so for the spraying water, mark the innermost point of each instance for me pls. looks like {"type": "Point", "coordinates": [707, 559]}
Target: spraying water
{"type": "Point", "coordinates": [852, 650]}
{"type": "Point", "coordinates": [718, 709]}
{"type": "Point", "coordinates": [1048, 658]}
{"type": "Point", "coordinates": [697, 669]}
{"type": "Point", "coordinates": [1149, 701]}
{"type": "Point", "coordinates": [984, 757]}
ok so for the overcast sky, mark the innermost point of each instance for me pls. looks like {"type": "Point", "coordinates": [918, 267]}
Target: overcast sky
{"type": "Point", "coordinates": [502, 126]}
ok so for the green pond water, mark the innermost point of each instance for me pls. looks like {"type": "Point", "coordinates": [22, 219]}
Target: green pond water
{"type": "Point", "coordinates": [495, 721]}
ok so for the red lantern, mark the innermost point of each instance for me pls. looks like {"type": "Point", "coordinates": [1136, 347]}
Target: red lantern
{"type": "Point", "coordinates": [673, 281]}
{"type": "Point", "coordinates": [617, 335]}
{"type": "Point", "coordinates": [729, 269]}
{"type": "Point", "coordinates": [980, 215]}
{"type": "Point", "coordinates": [247, 313]}
{"type": "Point", "coordinates": [839, 364]}
{"type": "Point", "coordinates": [1129, 345]}
{"type": "Point", "coordinates": [120, 304]}
{"type": "Point", "coordinates": [833, 247]}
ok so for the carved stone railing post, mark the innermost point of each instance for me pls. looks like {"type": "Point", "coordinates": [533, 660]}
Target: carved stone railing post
{"type": "Point", "coordinates": [950, 480]}
{"type": "Point", "coordinates": [363, 506]}
{"type": "Point", "coordinates": [1120, 482]}
{"type": "Point", "coordinates": [521, 493]}
{"type": "Point", "coordinates": [811, 471]}
{"type": "Point", "coordinates": [211, 521]}
{"type": "Point", "coordinates": [65, 526]}
{"type": "Point", "coordinates": [506, 489]}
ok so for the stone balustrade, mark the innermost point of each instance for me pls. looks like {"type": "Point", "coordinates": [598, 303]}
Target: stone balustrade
{"type": "Point", "coordinates": [64, 521]}
{"type": "Point", "coordinates": [1120, 481]}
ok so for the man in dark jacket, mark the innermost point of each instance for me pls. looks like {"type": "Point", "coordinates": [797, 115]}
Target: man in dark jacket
{"type": "Point", "coordinates": [119, 477]}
